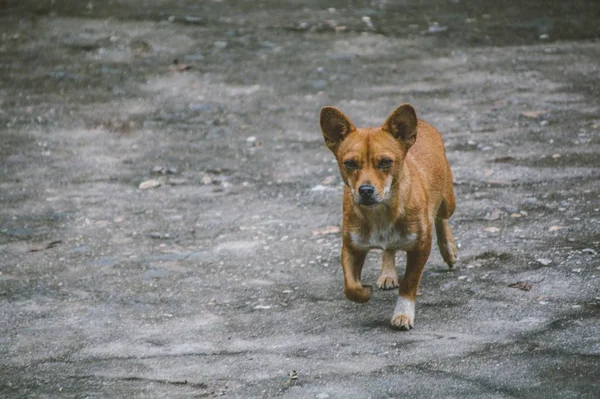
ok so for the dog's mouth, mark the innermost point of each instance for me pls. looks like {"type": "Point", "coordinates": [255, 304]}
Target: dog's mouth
{"type": "Point", "coordinates": [368, 202]}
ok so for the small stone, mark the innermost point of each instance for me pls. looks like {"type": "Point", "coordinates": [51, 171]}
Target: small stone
{"type": "Point", "coordinates": [589, 251]}
{"type": "Point", "coordinates": [322, 395]}
{"type": "Point", "coordinates": [319, 187]}
{"type": "Point", "coordinates": [262, 307]}
{"type": "Point", "coordinates": [368, 22]}
{"type": "Point", "coordinates": [492, 229]}
{"type": "Point", "coordinates": [577, 270]}
{"type": "Point", "coordinates": [494, 215]}
{"type": "Point", "coordinates": [149, 184]}
{"type": "Point", "coordinates": [543, 261]}
{"type": "Point", "coordinates": [436, 28]}
{"type": "Point", "coordinates": [159, 236]}
{"type": "Point", "coordinates": [207, 179]}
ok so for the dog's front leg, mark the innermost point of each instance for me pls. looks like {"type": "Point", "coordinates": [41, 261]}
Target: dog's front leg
{"type": "Point", "coordinates": [404, 314]}
{"type": "Point", "coordinates": [352, 264]}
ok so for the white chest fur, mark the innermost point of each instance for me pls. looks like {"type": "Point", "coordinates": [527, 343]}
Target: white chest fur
{"type": "Point", "coordinates": [384, 238]}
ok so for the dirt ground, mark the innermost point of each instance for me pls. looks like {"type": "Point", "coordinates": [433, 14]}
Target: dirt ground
{"type": "Point", "coordinates": [221, 277]}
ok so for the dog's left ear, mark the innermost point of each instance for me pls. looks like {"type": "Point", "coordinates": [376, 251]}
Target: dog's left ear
{"type": "Point", "coordinates": [402, 124]}
{"type": "Point", "coordinates": [335, 127]}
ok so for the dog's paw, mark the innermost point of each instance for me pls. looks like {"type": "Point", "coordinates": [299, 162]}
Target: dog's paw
{"type": "Point", "coordinates": [360, 294]}
{"type": "Point", "coordinates": [404, 314]}
{"type": "Point", "coordinates": [403, 322]}
{"type": "Point", "coordinates": [385, 282]}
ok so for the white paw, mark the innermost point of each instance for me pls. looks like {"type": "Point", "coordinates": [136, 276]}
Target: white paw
{"type": "Point", "coordinates": [404, 314]}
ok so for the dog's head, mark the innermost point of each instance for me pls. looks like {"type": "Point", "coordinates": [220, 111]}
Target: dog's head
{"type": "Point", "coordinates": [370, 159]}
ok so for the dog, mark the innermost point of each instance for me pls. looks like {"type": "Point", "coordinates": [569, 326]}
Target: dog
{"type": "Point", "coordinates": [398, 185]}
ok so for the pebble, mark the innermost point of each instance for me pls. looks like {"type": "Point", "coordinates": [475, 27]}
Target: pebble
{"type": "Point", "coordinates": [577, 270]}
{"type": "Point", "coordinates": [148, 184]}
{"type": "Point", "coordinates": [436, 28]}
{"type": "Point", "coordinates": [543, 261]}
{"type": "Point", "coordinates": [207, 179]}
{"type": "Point", "coordinates": [589, 251]}
{"type": "Point", "coordinates": [319, 187]}
{"type": "Point", "coordinates": [159, 236]}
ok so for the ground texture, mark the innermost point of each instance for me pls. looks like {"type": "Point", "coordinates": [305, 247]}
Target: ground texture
{"type": "Point", "coordinates": [221, 275]}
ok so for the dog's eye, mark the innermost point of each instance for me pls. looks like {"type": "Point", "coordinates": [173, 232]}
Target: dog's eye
{"type": "Point", "coordinates": [351, 164]}
{"type": "Point", "coordinates": [385, 163]}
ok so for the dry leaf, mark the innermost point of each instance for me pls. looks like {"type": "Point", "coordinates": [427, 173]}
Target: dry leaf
{"type": "Point", "coordinates": [326, 230]}
{"type": "Point", "coordinates": [177, 67]}
{"type": "Point", "coordinates": [534, 114]}
{"type": "Point", "coordinates": [522, 285]}
{"type": "Point", "coordinates": [498, 182]}
{"type": "Point", "coordinates": [329, 180]}
{"type": "Point", "coordinates": [40, 246]}
{"type": "Point", "coordinates": [557, 228]}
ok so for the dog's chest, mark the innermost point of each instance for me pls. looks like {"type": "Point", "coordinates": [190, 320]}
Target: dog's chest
{"type": "Point", "coordinates": [386, 237]}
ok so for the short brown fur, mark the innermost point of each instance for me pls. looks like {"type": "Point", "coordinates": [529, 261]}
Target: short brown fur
{"type": "Point", "coordinates": [398, 186]}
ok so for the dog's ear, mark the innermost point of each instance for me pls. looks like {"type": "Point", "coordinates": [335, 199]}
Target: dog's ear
{"type": "Point", "coordinates": [335, 127]}
{"type": "Point", "coordinates": [402, 124]}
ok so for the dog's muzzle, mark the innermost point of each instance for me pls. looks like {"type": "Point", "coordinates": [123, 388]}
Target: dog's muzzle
{"type": "Point", "coordinates": [366, 195]}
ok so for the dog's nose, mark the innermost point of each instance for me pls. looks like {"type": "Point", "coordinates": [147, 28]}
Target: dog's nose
{"type": "Point", "coordinates": [366, 190]}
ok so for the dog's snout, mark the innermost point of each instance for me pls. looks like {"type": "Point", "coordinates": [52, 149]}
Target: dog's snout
{"type": "Point", "coordinates": [366, 190]}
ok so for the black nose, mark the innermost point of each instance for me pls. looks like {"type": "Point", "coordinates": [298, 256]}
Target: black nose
{"type": "Point", "coordinates": [366, 190]}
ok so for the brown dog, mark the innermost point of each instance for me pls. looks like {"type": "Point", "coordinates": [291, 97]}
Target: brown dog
{"type": "Point", "coordinates": [398, 185]}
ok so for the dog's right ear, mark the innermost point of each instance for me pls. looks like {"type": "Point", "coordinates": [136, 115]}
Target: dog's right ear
{"type": "Point", "coordinates": [335, 127]}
